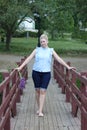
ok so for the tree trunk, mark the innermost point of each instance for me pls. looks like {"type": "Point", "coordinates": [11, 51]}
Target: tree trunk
{"type": "Point", "coordinates": [8, 40]}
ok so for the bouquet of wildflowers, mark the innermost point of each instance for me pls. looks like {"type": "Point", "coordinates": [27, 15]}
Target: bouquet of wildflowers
{"type": "Point", "coordinates": [22, 81]}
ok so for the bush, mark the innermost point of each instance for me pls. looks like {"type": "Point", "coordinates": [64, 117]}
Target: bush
{"type": "Point", "coordinates": [78, 83]}
{"type": "Point", "coordinates": [83, 35]}
{"type": "Point", "coordinates": [76, 34]}
{"type": "Point", "coordinates": [80, 34]}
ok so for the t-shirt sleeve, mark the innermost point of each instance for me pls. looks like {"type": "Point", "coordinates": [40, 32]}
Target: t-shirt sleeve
{"type": "Point", "coordinates": [37, 49]}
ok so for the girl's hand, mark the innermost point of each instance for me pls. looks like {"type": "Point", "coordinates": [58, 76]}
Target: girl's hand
{"type": "Point", "coordinates": [18, 68]}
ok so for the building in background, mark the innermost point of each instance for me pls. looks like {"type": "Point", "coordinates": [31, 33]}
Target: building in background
{"type": "Point", "coordinates": [27, 25]}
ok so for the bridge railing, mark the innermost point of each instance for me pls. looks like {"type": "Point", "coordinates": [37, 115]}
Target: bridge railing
{"type": "Point", "coordinates": [10, 93]}
{"type": "Point", "coordinates": [74, 85]}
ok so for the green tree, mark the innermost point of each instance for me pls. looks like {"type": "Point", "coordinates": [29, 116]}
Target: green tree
{"type": "Point", "coordinates": [60, 17]}
{"type": "Point", "coordinates": [81, 6]}
{"type": "Point", "coordinates": [10, 12]}
{"type": "Point", "coordinates": [79, 15]}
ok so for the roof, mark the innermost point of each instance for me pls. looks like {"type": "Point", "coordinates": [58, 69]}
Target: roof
{"type": "Point", "coordinates": [27, 24]}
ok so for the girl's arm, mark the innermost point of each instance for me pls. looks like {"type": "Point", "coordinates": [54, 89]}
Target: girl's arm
{"type": "Point", "coordinates": [29, 58]}
{"type": "Point", "coordinates": [55, 55]}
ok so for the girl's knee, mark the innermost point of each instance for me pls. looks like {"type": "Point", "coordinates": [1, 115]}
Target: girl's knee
{"type": "Point", "coordinates": [38, 91]}
{"type": "Point", "coordinates": [43, 91]}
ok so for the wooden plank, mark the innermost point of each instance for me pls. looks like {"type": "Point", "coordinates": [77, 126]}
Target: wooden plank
{"type": "Point", "coordinates": [53, 101]}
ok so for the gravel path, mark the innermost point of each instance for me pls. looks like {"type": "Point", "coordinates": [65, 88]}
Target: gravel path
{"type": "Point", "coordinates": [7, 61]}
{"type": "Point", "coordinates": [78, 62]}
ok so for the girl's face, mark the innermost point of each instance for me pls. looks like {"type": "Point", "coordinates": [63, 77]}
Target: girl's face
{"type": "Point", "coordinates": [44, 42]}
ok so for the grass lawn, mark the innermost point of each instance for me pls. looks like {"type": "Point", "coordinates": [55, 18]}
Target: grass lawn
{"type": "Point", "coordinates": [24, 46]}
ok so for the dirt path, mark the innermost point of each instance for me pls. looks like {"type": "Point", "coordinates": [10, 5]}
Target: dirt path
{"type": "Point", "coordinates": [78, 62]}
{"type": "Point", "coordinates": [7, 61]}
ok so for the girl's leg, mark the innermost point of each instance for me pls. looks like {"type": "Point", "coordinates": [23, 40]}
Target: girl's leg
{"type": "Point", "coordinates": [41, 101]}
{"type": "Point", "coordinates": [37, 94]}
{"type": "Point", "coordinates": [44, 84]}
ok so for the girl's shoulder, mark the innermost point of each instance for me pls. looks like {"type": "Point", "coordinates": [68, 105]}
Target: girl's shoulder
{"type": "Point", "coordinates": [51, 49]}
{"type": "Point", "coordinates": [37, 48]}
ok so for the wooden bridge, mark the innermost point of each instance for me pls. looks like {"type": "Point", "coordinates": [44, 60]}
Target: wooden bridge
{"type": "Point", "coordinates": [65, 106]}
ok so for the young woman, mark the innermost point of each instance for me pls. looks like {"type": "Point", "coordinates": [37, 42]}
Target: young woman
{"type": "Point", "coordinates": [41, 72]}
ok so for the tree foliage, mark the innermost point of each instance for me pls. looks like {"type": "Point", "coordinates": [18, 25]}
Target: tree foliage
{"type": "Point", "coordinates": [81, 6]}
{"type": "Point", "coordinates": [10, 12]}
{"type": "Point", "coordinates": [55, 16]}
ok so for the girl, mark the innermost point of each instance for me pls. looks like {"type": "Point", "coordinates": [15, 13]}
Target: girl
{"type": "Point", "coordinates": [41, 72]}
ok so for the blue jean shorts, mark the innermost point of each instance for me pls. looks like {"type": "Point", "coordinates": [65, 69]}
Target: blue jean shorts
{"type": "Point", "coordinates": [41, 79]}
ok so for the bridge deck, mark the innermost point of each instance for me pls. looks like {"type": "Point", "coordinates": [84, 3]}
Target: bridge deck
{"type": "Point", "coordinates": [57, 113]}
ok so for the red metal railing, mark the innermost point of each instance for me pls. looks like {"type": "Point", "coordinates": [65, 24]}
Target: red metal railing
{"type": "Point", "coordinates": [74, 85]}
{"type": "Point", "coordinates": [10, 91]}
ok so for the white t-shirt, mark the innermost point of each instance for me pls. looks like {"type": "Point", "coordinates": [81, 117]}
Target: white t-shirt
{"type": "Point", "coordinates": [43, 59]}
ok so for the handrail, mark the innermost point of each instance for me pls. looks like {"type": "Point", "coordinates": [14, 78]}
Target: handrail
{"type": "Point", "coordinates": [74, 85]}
{"type": "Point", "coordinates": [9, 88]}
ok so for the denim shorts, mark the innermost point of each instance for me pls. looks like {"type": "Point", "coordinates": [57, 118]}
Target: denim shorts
{"type": "Point", "coordinates": [41, 79]}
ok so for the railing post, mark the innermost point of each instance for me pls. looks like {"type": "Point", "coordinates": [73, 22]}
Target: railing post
{"type": "Point", "coordinates": [54, 74]}
{"type": "Point", "coordinates": [68, 88]}
{"type": "Point", "coordinates": [6, 90]}
{"type": "Point", "coordinates": [67, 79]}
{"type": "Point", "coordinates": [83, 119]}
{"type": "Point", "coordinates": [84, 111]}
{"type": "Point", "coordinates": [14, 108]}
{"type": "Point", "coordinates": [17, 86]}
{"type": "Point", "coordinates": [73, 103]}
{"type": "Point", "coordinates": [7, 125]}
{"type": "Point", "coordinates": [5, 74]}
{"type": "Point", "coordinates": [5, 93]}
{"type": "Point", "coordinates": [83, 89]}
{"type": "Point", "coordinates": [63, 85]}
